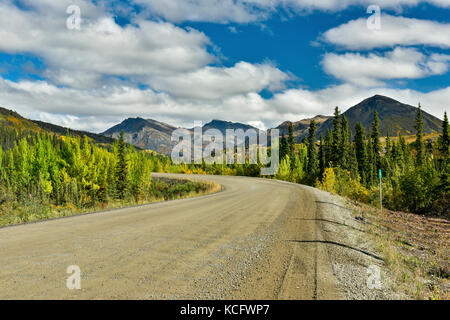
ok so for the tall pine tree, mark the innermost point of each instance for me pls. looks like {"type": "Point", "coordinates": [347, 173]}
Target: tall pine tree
{"type": "Point", "coordinates": [444, 139]}
{"type": "Point", "coordinates": [361, 151]}
{"type": "Point", "coordinates": [328, 148]}
{"type": "Point", "coordinates": [337, 135]}
{"type": "Point", "coordinates": [376, 145]}
{"type": "Point", "coordinates": [345, 158]}
{"type": "Point", "coordinates": [322, 158]}
{"type": "Point", "coordinates": [291, 143]}
{"type": "Point", "coordinates": [312, 152]}
{"type": "Point", "coordinates": [420, 147]}
{"type": "Point", "coordinates": [121, 168]}
{"type": "Point", "coordinates": [284, 147]}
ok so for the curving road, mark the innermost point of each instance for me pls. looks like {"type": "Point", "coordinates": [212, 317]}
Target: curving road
{"type": "Point", "coordinates": [241, 243]}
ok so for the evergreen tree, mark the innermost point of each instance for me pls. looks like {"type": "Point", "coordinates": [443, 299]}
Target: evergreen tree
{"type": "Point", "coordinates": [337, 134]}
{"type": "Point", "coordinates": [121, 168]}
{"type": "Point", "coordinates": [361, 151]}
{"type": "Point", "coordinates": [388, 148]}
{"type": "Point", "coordinates": [444, 139]}
{"type": "Point", "coordinates": [420, 148]}
{"type": "Point", "coordinates": [328, 148]}
{"type": "Point", "coordinates": [291, 143]}
{"type": "Point", "coordinates": [345, 158]}
{"type": "Point", "coordinates": [370, 169]}
{"type": "Point", "coordinates": [376, 145]}
{"type": "Point", "coordinates": [322, 157]}
{"type": "Point", "coordinates": [387, 160]}
{"type": "Point", "coordinates": [312, 152]}
{"type": "Point", "coordinates": [284, 147]}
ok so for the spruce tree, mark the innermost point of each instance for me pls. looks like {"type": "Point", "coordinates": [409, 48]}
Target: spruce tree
{"type": "Point", "coordinates": [345, 148]}
{"type": "Point", "coordinates": [376, 146]}
{"type": "Point", "coordinates": [387, 160]}
{"type": "Point", "coordinates": [420, 148]}
{"type": "Point", "coordinates": [322, 157]}
{"type": "Point", "coordinates": [444, 139]}
{"type": "Point", "coordinates": [291, 143]}
{"type": "Point", "coordinates": [388, 145]}
{"type": "Point", "coordinates": [370, 169]}
{"type": "Point", "coordinates": [361, 151]}
{"type": "Point", "coordinates": [312, 152]}
{"type": "Point", "coordinates": [121, 168]}
{"type": "Point", "coordinates": [328, 148]}
{"type": "Point", "coordinates": [337, 134]}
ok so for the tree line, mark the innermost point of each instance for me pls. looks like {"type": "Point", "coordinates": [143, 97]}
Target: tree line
{"type": "Point", "coordinates": [40, 171]}
{"type": "Point", "coordinates": [416, 176]}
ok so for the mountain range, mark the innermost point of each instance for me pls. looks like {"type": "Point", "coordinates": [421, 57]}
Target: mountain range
{"type": "Point", "coordinates": [150, 134]}
{"type": "Point", "coordinates": [395, 117]}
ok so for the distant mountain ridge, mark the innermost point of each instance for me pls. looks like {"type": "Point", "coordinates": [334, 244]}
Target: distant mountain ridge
{"type": "Point", "coordinates": [301, 127]}
{"type": "Point", "coordinates": [144, 133]}
{"type": "Point", "coordinates": [149, 134]}
{"type": "Point", "coordinates": [223, 126]}
{"type": "Point", "coordinates": [157, 136]}
{"type": "Point", "coordinates": [395, 117]}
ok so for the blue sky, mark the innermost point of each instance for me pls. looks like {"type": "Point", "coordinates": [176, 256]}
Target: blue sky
{"type": "Point", "coordinates": [255, 62]}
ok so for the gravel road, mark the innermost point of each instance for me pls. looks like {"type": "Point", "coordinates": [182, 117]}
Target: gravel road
{"type": "Point", "coordinates": [257, 239]}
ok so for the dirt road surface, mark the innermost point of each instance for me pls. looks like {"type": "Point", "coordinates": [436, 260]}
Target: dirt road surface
{"type": "Point", "coordinates": [257, 239]}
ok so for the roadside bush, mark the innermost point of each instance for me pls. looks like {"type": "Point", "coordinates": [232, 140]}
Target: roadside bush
{"type": "Point", "coordinates": [337, 180]}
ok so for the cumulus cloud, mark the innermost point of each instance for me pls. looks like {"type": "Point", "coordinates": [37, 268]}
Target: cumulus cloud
{"type": "Point", "coordinates": [217, 82]}
{"type": "Point", "coordinates": [368, 70]}
{"type": "Point", "coordinates": [91, 75]}
{"type": "Point", "coordinates": [101, 47]}
{"type": "Point", "coordinates": [245, 11]}
{"type": "Point", "coordinates": [97, 110]}
{"type": "Point", "coordinates": [394, 31]}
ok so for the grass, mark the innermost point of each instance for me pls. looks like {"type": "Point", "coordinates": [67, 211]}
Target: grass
{"type": "Point", "coordinates": [163, 189]}
{"type": "Point", "coordinates": [415, 249]}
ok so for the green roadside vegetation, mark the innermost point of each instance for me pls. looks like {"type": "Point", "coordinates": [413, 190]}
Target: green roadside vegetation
{"type": "Point", "coordinates": [45, 176]}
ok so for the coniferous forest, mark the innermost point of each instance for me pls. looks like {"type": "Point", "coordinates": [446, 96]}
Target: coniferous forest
{"type": "Point", "coordinates": [415, 176]}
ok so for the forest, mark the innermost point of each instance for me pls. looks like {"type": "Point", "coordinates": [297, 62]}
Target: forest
{"type": "Point", "coordinates": [44, 175]}
{"type": "Point", "coordinates": [415, 176]}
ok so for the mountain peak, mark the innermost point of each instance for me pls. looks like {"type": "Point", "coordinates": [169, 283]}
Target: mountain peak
{"type": "Point", "coordinates": [395, 117]}
{"type": "Point", "coordinates": [379, 97]}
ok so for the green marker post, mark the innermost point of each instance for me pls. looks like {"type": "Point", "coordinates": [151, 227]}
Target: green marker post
{"type": "Point", "coordinates": [381, 193]}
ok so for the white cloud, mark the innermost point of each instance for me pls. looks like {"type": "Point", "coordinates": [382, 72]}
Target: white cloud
{"type": "Point", "coordinates": [175, 63]}
{"type": "Point", "coordinates": [216, 83]}
{"type": "Point", "coordinates": [166, 57]}
{"type": "Point", "coordinates": [394, 31]}
{"type": "Point", "coordinates": [245, 11]}
{"type": "Point", "coordinates": [101, 47]}
{"type": "Point", "coordinates": [368, 70]}
{"type": "Point", "coordinates": [298, 104]}
{"type": "Point", "coordinates": [97, 110]}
